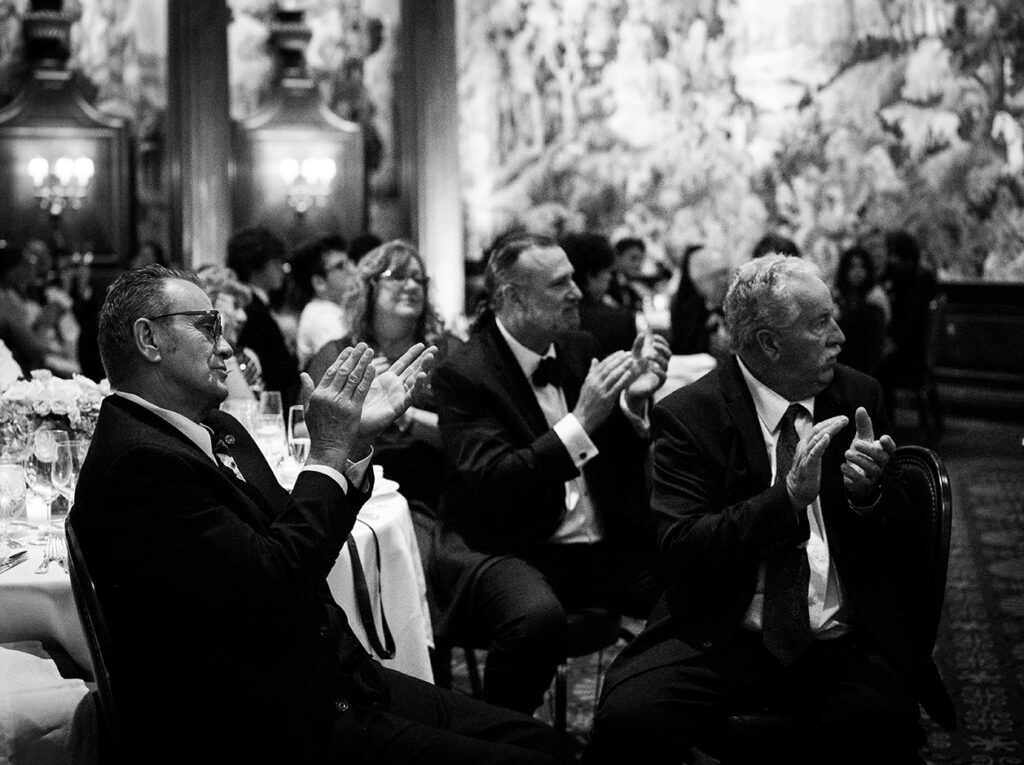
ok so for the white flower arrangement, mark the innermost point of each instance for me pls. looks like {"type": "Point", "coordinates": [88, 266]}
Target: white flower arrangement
{"type": "Point", "coordinates": [24, 404]}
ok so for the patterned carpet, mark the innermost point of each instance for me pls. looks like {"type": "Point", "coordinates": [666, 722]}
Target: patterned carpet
{"type": "Point", "coordinates": [980, 649]}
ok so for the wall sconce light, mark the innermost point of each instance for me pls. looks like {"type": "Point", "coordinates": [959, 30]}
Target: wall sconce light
{"type": "Point", "coordinates": [308, 181]}
{"type": "Point", "coordinates": [62, 183]}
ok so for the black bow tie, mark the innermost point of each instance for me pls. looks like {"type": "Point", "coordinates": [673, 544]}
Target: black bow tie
{"type": "Point", "coordinates": [549, 372]}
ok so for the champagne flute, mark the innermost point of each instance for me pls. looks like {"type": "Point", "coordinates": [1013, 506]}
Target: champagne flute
{"type": "Point", "coordinates": [12, 494]}
{"type": "Point", "coordinates": [38, 469]}
{"type": "Point", "coordinates": [242, 409]}
{"type": "Point", "coordinates": [298, 434]}
{"type": "Point", "coordinates": [268, 432]}
{"type": "Point", "coordinates": [64, 471]}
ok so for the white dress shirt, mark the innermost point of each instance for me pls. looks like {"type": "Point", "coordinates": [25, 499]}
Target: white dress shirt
{"type": "Point", "coordinates": [824, 593]}
{"type": "Point", "coordinates": [580, 522]}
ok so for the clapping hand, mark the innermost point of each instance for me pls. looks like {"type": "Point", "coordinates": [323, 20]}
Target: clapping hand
{"type": "Point", "coordinates": [392, 390]}
{"type": "Point", "coordinates": [866, 458]}
{"type": "Point", "coordinates": [605, 380]}
{"type": "Point", "coordinates": [650, 354]}
{"type": "Point", "coordinates": [804, 479]}
{"type": "Point", "coordinates": [334, 407]}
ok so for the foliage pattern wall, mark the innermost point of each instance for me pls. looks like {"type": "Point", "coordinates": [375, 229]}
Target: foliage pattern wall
{"type": "Point", "coordinates": [714, 120]}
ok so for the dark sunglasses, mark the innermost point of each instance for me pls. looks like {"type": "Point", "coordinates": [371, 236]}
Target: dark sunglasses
{"type": "Point", "coordinates": [393, 277]}
{"type": "Point", "coordinates": [210, 324]}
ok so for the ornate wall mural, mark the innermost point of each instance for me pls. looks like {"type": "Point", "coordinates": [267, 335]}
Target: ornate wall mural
{"type": "Point", "coordinates": [714, 120]}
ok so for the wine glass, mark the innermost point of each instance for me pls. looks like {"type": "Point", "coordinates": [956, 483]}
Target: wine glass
{"type": "Point", "coordinates": [269, 434]}
{"type": "Point", "coordinates": [64, 470]}
{"type": "Point", "coordinates": [12, 494]}
{"type": "Point", "coordinates": [38, 469]}
{"type": "Point", "coordinates": [298, 434]}
{"type": "Point", "coordinates": [242, 409]}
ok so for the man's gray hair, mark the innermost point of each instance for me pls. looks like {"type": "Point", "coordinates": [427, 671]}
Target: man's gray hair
{"type": "Point", "coordinates": [760, 297]}
{"type": "Point", "coordinates": [136, 294]}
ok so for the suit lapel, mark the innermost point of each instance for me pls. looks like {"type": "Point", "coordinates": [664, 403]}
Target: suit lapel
{"type": "Point", "coordinates": [511, 380]}
{"type": "Point", "coordinates": [740, 406]}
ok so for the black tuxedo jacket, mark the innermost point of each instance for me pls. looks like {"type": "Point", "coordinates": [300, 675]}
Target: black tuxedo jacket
{"type": "Point", "coordinates": [228, 643]}
{"type": "Point", "coordinates": [719, 518]}
{"type": "Point", "coordinates": [262, 334]}
{"type": "Point", "coordinates": [506, 468]}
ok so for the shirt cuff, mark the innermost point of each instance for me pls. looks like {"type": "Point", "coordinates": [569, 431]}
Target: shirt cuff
{"type": "Point", "coordinates": [641, 422]}
{"type": "Point", "coordinates": [330, 472]}
{"type": "Point", "coordinates": [575, 440]}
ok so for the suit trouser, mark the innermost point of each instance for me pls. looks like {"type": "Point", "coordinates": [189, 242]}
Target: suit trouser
{"type": "Point", "coordinates": [862, 709]}
{"type": "Point", "coordinates": [519, 610]}
{"type": "Point", "coordinates": [423, 723]}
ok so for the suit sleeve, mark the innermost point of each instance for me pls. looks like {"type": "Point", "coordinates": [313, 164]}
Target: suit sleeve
{"type": "Point", "coordinates": [188, 524]}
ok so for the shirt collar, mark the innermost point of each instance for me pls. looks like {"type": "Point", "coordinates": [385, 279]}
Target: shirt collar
{"type": "Point", "coordinates": [528, 360]}
{"type": "Point", "coordinates": [770, 405]}
{"type": "Point", "coordinates": [198, 434]}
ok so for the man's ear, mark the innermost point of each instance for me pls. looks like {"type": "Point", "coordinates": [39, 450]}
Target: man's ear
{"type": "Point", "coordinates": [146, 341]}
{"type": "Point", "coordinates": [767, 343]}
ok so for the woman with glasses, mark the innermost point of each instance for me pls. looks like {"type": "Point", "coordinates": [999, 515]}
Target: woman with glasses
{"type": "Point", "coordinates": [230, 297]}
{"type": "Point", "coordinates": [397, 314]}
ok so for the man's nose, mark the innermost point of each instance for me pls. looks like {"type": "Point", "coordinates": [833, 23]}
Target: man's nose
{"type": "Point", "coordinates": [575, 293]}
{"type": "Point", "coordinates": [223, 348]}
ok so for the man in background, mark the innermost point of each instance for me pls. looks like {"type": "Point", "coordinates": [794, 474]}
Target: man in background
{"type": "Point", "coordinates": [545, 507]}
{"type": "Point", "coordinates": [324, 272]}
{"type": "Point", "coordinates": [258, 257]}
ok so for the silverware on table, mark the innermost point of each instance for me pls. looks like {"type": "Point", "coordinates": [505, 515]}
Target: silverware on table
{"type": "Point", "coordinates": [44, 566]}
{"type": "Point", "coordinates": [13, 560]}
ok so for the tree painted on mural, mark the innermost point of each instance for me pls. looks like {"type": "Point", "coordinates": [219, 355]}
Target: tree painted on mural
{"type": "Point", "coordinates": [653, 117]}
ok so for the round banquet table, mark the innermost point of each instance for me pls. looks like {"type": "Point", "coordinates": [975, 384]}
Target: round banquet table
{"type": "Point", "coordinates": [40, 606]}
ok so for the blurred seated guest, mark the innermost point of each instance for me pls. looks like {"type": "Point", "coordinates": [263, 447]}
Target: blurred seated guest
{"type": "Point", "coordinates": [544, 509]}
{"type": "Point", "coordinates": [397, 315]}
{"type": "Point", "coordinates": [696, 311]}
{"type": "Point", "coordinates": [626, 287]}
{"type": "Point", "coordinates": [786, 542]}
{"type": "Point", "coordinates": [362, 244]}
{"type": "Point", "coordinates": [212, 577]}
{"type": "Point", "coordinates": [860, 316]}
{"type": "Point", "coordinates": [324, 272]}
{"type": "Point", "coordinates": [24, 324]}
{"type": "Point", "coordinates": [911, 289]}
{"type": "Point", "coordinates": [592, 259]}
{"type": "Point", "coordinates": [230, 297]}
{"type": "Point", "coordinates": [258, 256]}
{"type": "Point", "coordinates": [773, 242]}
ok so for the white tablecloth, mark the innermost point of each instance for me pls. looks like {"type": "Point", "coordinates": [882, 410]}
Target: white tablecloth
{"type": "Point", "coordinates": [402, 584]}
{"type": "Point", "coordinates": [40, 606]}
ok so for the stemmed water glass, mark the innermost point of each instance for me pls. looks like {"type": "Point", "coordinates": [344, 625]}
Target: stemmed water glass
{"type": "Point", "coordinates": [38, 469]}
{"type": "Point", "coordinates": [268, 428]}
{"type": "Point", "coordinates": [12, 494]}
{"type": "Point", "coordinates": [298, 434]}
{"type": "Point", "coordinates": [67, 463]}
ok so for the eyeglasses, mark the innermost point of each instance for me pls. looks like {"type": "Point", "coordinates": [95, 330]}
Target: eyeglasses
{"type": "Point", "coordinates": [393, 279]}
{"type": "Point", "coordinates": [210, 324]}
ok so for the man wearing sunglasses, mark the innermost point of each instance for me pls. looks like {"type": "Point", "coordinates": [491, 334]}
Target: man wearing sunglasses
{"type": "Point", "coordinates": [212, 578]}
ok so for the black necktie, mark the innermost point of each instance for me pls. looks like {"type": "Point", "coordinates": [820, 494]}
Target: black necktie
{"type": "Point", "coordinates": [549, 372]}
{"type": "Point", "coordinates": [785, 622]}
